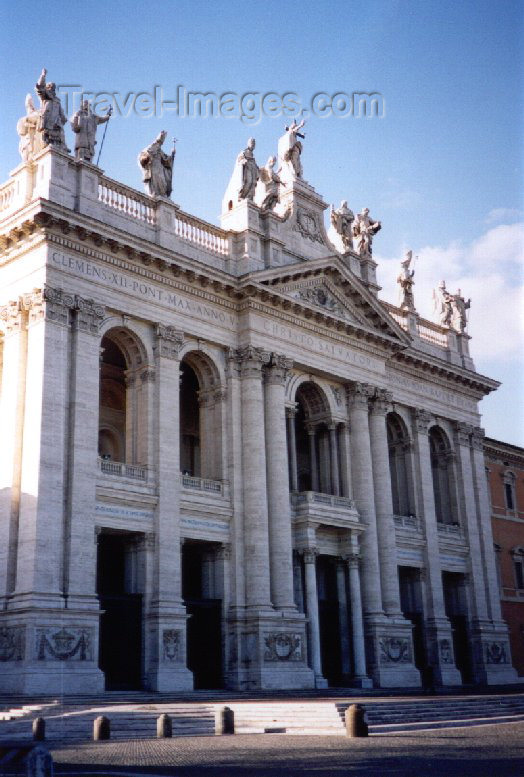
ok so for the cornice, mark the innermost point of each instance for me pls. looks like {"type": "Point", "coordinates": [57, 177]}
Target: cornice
{"type": "Point", "coordinates": [441, 369]}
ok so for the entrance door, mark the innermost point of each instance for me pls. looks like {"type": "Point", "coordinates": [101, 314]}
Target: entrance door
{"type": "Point", "coordinates": [456, 610]}
{"type": "Point", "coordinates": [329, 620]}
{"type": "Point", "coordinates": [120, 642]}
{"type": "Point", "coordinates": [204, 642]}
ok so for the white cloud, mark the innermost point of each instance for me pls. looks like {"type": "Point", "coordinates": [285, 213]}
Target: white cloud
{"type": "Point", "coordinates": [503, 215]}
{"type": "Point", "coordinates": [489, 270]}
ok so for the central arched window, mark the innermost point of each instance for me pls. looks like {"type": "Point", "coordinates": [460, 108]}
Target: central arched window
{"type": "Point", "coordinates": [398, 445]}
{"type": "Point", "coordinates": [443, 476]}
{"type": "Point", "coordinates": [189, 422]}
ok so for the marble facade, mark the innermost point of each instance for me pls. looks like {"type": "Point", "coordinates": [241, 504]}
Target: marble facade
{"type": "Point", "coordinates": [312, 397]}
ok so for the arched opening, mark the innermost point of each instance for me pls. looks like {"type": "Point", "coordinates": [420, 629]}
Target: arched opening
{"type": "Point", "coordinates": [113, 402]}
{"type": "Point", "coordinates": [189, 422]}
{"type": "Point", "coordinates": [317, 442]}
{"type": "Point", "coordinates": [443, 476]}
{"type": "Point", "coordinates": [201, 417]}
{"type": "Point", "coordinates": [398, 445]}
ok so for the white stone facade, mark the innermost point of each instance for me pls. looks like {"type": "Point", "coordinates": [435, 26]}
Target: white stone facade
{"type": "Point", "coordinates": [223, 437]}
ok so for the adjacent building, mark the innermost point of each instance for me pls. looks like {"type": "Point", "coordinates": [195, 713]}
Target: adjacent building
{"type": "Point", "coordinates": [225, 460]}
{"type": "Point", "coordinates": [505, 471]}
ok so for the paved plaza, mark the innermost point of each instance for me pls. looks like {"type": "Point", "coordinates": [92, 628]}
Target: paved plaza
{"type": "Point", "coordinates": [482, 751]}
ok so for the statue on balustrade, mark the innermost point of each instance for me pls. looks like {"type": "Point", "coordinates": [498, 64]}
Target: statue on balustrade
{"type": "Point", "coordinates": [30, 139]}
{"type": "Point", "coordinates": [84, 124]}
{"type": "Point", "coordinates": [290, 150]}
{"type": "Point", "coordinates": [459, 307]}
{"type": "Point", "coordinates": [157, 167]}
{"type": "Point", "coordinates": [342, 220]}
{"type": "Point", "coordinates": [364, 229]}
{"type": "Point", "coordinates": [269, 183]}
{"type": "Point", "coordinates": [442, 300]}
{"type": "Point", "coordinates": [51, 116]}
{"type": "Point", "coordinates": [406, 282]}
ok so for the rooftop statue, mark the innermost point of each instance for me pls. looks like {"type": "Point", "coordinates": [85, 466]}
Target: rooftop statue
{"type": "Point", "coordinates": [248, 171]}
{"type": "Point", "coordinates": [30, 139]}
{"type": "Point", "coordinates": [342, 220]}
{"type": "Point", "coordinates": [51, 116]}
{"type": "Point", "coordinates": [84, 124]}
{"type": "Point", "coordinates": [157, 167]}
{"type": "Point", "coordinates": [290, 150]}
{"type": "Point", "coordinates": [364, 229]}
{"type": "Point", "coordinates": [459, 307]}
{"type": "Point", "coordinates": [442, 304]}
{"type": "Point", "coordinates": [269, 182]}
{"type": "Point", "coordinates": [406, 282]}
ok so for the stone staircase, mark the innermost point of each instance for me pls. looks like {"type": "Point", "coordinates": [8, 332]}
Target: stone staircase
{"type": "Point", "coordinates": [314, 717]}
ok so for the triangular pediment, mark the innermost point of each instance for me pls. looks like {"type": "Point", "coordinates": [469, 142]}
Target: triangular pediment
{"type": "Point", "coordinates": [329, 286]}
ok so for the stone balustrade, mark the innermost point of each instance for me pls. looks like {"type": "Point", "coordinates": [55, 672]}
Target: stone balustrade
{"type": "Point", "coordinates": [7, 193]}
{"type": "Point", "coordinates": [450, 528]}
{"type": "Point", "coordinates": [122, 470]}
{"type": "Point", "coordinates": [302, 497]}
{"type": "Point", "coordinates": [201, 233]}
{"type": "Point", "coordinates": [407, 522]}
{"type": "Point", "coordinates": [203, 484]}
{"type": "Point", "coordinates": [126, 200]}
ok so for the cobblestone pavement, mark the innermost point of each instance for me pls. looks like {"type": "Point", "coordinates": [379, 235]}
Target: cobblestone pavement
{"type": "Point", "coordinates": [484, 751]}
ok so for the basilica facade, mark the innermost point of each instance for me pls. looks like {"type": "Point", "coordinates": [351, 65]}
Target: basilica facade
{"type": "Point", "coordinates": [225, 461]}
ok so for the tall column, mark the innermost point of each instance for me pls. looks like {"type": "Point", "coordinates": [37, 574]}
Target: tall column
{"type": "Point", "coordinates": [167, 617]}
{"type": "Point", "coordinates": [310, 555]}
{"type": "Point", "coordinates": [343, 618]}
{"type": "Point", "coordinates": [333, 455]}
{"type": "Point", "coordinates": [313, 457]}
{"type": "Point", "coordinates": [12, 407]}
{"type": "Point", "coordinates": [292, 442]}
{"type": "Point", "coordinates": [357, 624]}
{"type": "Point", "coordinates": [280, 543]}
{"type": "Point", "coordinates": [345, 462]}
{"type": "Point", "coordinates": [438, 629]}
{"type": "Point", "coordinates": [384, 504]}
{"type": "Point", "coordinates": [256, 542]}
{"type": "Point", "coordinates": [362, 476]}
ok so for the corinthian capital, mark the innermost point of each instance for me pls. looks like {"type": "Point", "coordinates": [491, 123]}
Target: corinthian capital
{"type": "Point", "coordinates": [252, 360]}
{"type": "Point", "coordinates": [463, 433]}
{"type": "Point", "coordinates": [11, 317]}
{"type": "Point", "coordinates": [422, 420]}
{"type": "Point", "coordinates": [89, 315]}
{"type": "Point", "coordinates": [359, 394]}
{"type": "Point", "coordinates": [382, 400]}
{"type": "Point", "coordinates": [169, 341]}
{"type": "Point", "coordinates": [278, 369]}
{"type": "Point", "coordinates": [477, 439]}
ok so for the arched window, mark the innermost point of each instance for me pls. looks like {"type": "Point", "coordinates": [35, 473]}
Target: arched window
{"type": "Point", "coordinates": [443, 476]}
{"type": "Point", "coordinates": [317, 440]}
{"type": "Point", "coordinates": [518, 567]}
{"type": "Point", "coordinates": [398, 444]}
{"type": "Point", "coordinates": [201, 417]}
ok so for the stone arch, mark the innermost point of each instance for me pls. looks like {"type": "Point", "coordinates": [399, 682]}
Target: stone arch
{"type": "Point", "coordinates": [202, 414]}
{"type": "Point", "coordinates": [443, 472]}
{"type": "Point", "coordinates": [400, 465]}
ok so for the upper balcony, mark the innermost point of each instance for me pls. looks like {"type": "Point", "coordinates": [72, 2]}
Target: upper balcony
{"type": "Point", "coordinates": [327, 509]}
{"type": "Point", "coordinates": [122, 477]}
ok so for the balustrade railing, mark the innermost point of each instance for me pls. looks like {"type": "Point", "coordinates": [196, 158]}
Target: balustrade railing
{"type": "Point", "coordinates": [313, 497]}
{"type": "Point", "coordinates": [449, 528]}
{"type": "Point", "coordinates": [432, 333]}
{"type": "Point", "coordinates": [203, 484]}
{"type": "Point", "coordinates": [201, 233]}
{"type": "Point", "coordinates": [126, 200]}
{"type": "Point", "coordinates": [7, 193]}
{"type": "Point", "coordinates": [120, 469]}
{"type": "Point", "coordinates": [407, 521]}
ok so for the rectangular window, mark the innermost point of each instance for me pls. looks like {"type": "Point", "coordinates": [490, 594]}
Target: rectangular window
{"type": "Point", "coordinates": [519, 573]}
{"type": "Point", "coordinates": [508, 490]}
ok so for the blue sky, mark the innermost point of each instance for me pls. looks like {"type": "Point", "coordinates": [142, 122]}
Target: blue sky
{"type": "Point", "coordinates": [442, 169]}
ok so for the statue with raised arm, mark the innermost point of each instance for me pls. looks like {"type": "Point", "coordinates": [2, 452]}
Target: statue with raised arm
{"type": "Point", "coordinates": [52, 119]}
{"type": "Point", "coordinates": [157, 167]}
{"type": "Point", "coordinates": [84, 124]}
{"type": "Point", "coordinates": [30, 139]}
{"type": "Point", "coordinates": [342, 220]}
{"type": "Point", "coordinates": [269, 182]}
{"type": "Point", "coordinates": [442, 304]}
{"type": "Point", "coordinates": [459, 306]}
{"type": "Point", "coordinates": [405, 281]}
{"type": "Point", "coordinates": [248, 171]}
{"type": "Point", "coordinates": [364, 229]}
{"type": "Point", "coordinates": [290, 150]}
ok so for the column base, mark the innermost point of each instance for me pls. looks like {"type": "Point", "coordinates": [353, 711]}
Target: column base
{"type": "Point", "coordinates": [389, 652]}
{"type": "Point", "coordinates": [50, 652]}
{"type": "Point", "coordinates": [441, 659]}
{"type": "Point", "coordinates": [165, 650]}
{"type": "Point", "coordinates": [268, 651]}
{"type": "Point", "coordinates": [360, 682]}
{"type": "Point", "coordinates": [492, 654]}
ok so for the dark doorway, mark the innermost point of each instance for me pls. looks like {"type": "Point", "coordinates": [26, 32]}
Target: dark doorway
{"type": "Point", "coordinates": [204, 607]}
{"type": "Point", "coordinates": [120, 642]}
{"type": "Point", "coordinates": [412, 609]}
{"type": "Point", "coordinates": [328, 612]}
{"type": "Point", "coordinates": [456, 610]}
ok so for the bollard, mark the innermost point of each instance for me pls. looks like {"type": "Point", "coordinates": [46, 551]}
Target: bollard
{"type": "Point", "coordinates": [39, 762]}
{"type": "Point", "coordinates": [164, 726]}
{"type": "Point", "coordinates": [228, 721]}
{"type": "Point", "coordinates": [38, 729]}
{"type": "Point", "coordinates": [356, 725]}
{"type": "Point", "coordinates": [101, 728]}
